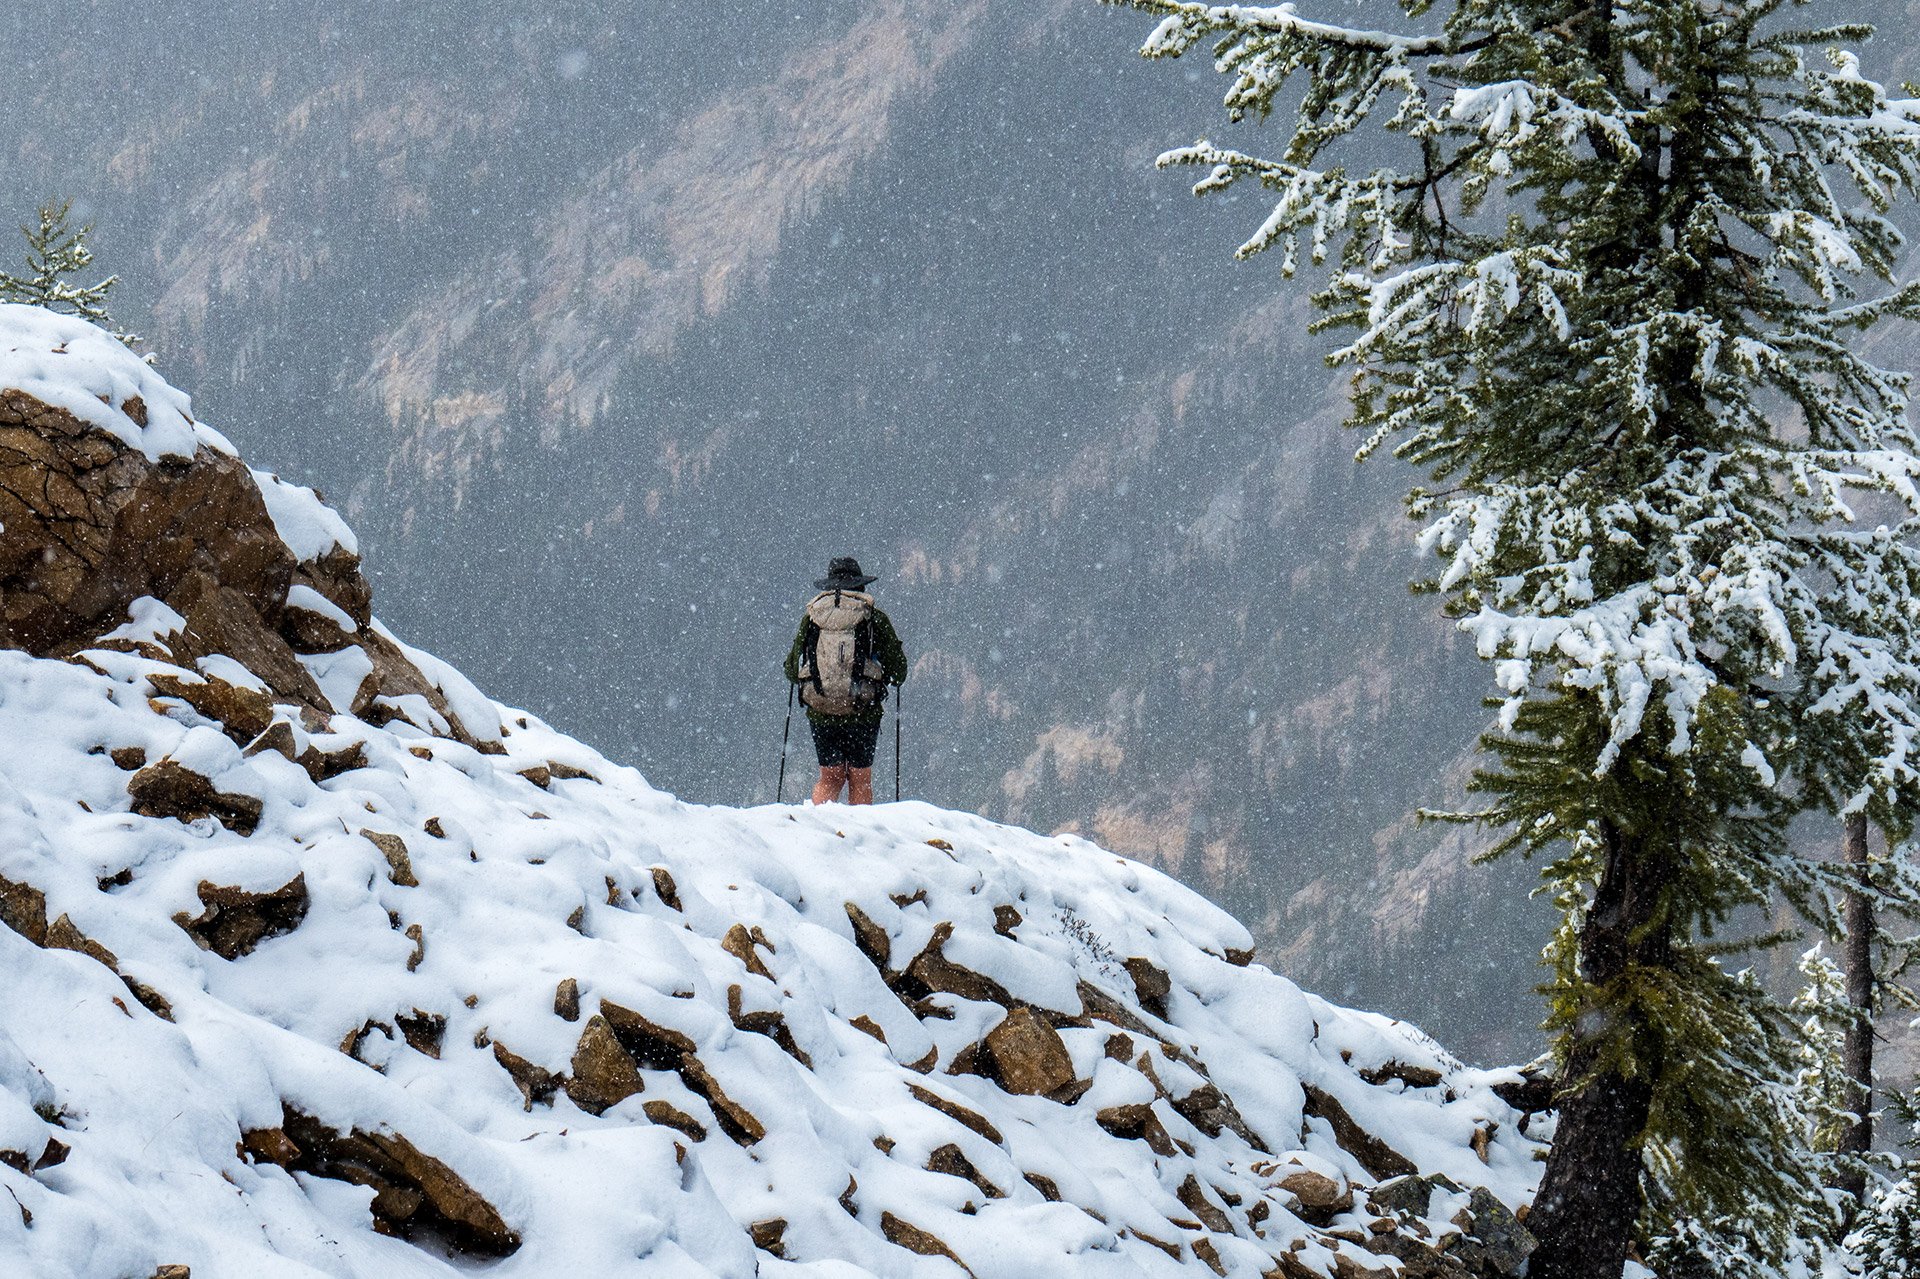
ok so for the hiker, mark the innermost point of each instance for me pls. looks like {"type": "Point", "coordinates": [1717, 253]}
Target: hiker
{"type": "Point", "coordinates": [843, 659]}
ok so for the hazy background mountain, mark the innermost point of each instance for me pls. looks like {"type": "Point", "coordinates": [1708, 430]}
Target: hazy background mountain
{"type": "Point", "coordinates": [610, 328]}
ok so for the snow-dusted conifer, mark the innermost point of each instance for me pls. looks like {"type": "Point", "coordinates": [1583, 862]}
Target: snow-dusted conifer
{"type": "Point", "coordinates": [1610, 300]}
{"type": "Point", "coordinates": [56, 252]}
{"type": "Point", "coordinates": [1885, 1240]}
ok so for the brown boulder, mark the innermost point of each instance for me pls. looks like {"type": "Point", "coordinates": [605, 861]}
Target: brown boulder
{"type": "Point", "coordinates": [906, 1235]}
{"type": "Point", "coordinates": [244, 713]}
{"type": "Point", "coordinates": [23, 908]}
{"type": "Point", "coordinates": [602, 1074]}
{"type": "Point", "coordinates": [1211, 1111]}
{"type": "Point", "coordinates": [668, 1115]}
{"type": "Point", "coordinates": [1027, 1055]}
{"type": "Point", "coordinates": [413, 1191]}
{"type": "Point", "coordinates": [394, 849]}
{"type": "Point", "coordinates": [1151, 985]}
{"type": "Point", "coordinates": [1197, 1203]}
{"type": "Point", "coordinates": [88, 525]}
{"type": "Point", "coordinates": [1319, 1196]}
{"type": "Point", "coordinates": [1411, 1076]}
{"type": "Point", "coordinates": [870, 938]}
{"type": "Point", "coordinates": [1097, 1004]}
{"type": "Point", "coordinates": [423, 1031]}
{"type": "Point", "coordinates": [931, 970]}
{"type": "Point", "coordinates": [269, 1146]}
{"type": "Point", "coordinates": [171, 789]}
{"type": "Point", "coordinates": [1137, 1122]}
{"type": "Point", "coordinates": [958, 1113]}
{"type": "Point", "coordinates": [665, 889]}
{"type": "Point", "coordinates": [394, 675]}
{"type": "Point", "coordinates": [769, 1236]}
{"type": "Point", "coordinates": [1049, 1188]}
{"type": "Point", "coordinates": [63, 935]}
{"type": "Point", "coordinates": [237, 621]}
{"type": "Point", "coordinates": [649, 1043]}
{"type": "Point", "coordinates": [322, 765]}
{"type": "Point", "coordinates": [536, 1083]}
{"type": "Point", "coordinates": [735, 1119]}
{"type": "Point", "coordinates": [234, 920]}
{"type": "Point", "coordinates": [739, 943]}
{"type": "Point", "coordinates": [1379, 1159]}
{"type": "Point", "coordinates": [1534, 1092]}
{"type": "Point", "coordinates": [276, 737]}
{"type": "Point", "coordinates": [566, 999]}
{"type": "Point", "coordinates": [766, 1022]}
{"type": "Point", "coordinates": [337, 576]}
{"type": "Point", "coordinates": [309, 631]}
{"type": "Point", "coordinates": [951, 1161]}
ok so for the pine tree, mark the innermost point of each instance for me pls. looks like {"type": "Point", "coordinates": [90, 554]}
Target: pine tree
{"type": "Point", "coordinates": [57, 251]}
{"type": "Point", "coordinates": [1609, 300]}
{"type": "Point", "coordinates": [1887, 1242]}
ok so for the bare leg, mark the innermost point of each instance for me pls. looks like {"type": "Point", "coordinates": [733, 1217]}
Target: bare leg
{"type": "Point", "coordinates": [860, 786]}
{"type": "Point", "coordinates": [832, 778]}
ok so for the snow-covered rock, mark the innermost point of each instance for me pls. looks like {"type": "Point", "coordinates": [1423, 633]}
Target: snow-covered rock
{"type": "Point", "coordinates": [319, 962]}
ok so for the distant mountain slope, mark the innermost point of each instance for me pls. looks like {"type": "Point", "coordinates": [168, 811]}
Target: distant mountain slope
{"type": "Point", "coordinates": [320, 962]}
{"type": "Point", "coordinates": [635, 323]}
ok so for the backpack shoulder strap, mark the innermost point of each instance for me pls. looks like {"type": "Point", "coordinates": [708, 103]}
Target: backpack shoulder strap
{"type": "Point", "coordinates": [810, 652]}
{"type": "Point", "coordinates": [863, 641]}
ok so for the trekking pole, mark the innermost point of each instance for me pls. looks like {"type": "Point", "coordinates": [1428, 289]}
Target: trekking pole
{"type": "Point", "coordinates": [780, 789]}
{"type": "Point", "coordinates": [896, 743]}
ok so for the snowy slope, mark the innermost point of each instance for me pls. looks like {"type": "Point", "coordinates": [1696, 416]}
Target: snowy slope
{"type": "Point", "coordinates": [431, 986]}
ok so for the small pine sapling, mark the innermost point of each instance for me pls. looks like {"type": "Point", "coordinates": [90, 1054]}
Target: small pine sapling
{"type": "Point", "coordinates": [1885, 1240]}
{"type": "Point", "coordinates": [57, 252]}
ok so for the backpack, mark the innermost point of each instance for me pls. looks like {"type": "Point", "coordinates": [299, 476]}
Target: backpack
{"type": "Point", "coordinates": [839, 674]}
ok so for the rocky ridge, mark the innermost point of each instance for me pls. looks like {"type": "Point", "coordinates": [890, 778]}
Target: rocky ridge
{"type": "Point", "coordinates": [321, 962]}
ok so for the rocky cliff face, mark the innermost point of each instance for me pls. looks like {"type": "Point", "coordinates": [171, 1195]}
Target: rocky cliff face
{"type": "Point", "coordinates": [638, 323]}
{"type": "Point", "coordinates": [320, 962]}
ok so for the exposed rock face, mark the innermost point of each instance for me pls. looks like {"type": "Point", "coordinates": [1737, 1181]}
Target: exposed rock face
{"type": "Point", "coordinates": [91, 525]}
{"type": "Point", "coordinates": [1027, 1055]}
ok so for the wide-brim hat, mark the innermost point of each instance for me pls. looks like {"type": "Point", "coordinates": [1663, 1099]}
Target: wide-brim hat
{"type": "Point", "coordinates": [844, 574]}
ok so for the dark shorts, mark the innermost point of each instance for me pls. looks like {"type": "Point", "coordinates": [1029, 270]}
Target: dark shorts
{"type": "Point", "coordinates": [845, 741]}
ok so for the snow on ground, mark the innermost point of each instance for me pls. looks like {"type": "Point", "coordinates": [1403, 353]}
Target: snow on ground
{"type": "Point", "coordinates": [524, 887]}
{"type": "Point", "coordinates": [69, 364]}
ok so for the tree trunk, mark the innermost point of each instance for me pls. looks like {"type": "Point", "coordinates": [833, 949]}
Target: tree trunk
{"type": "Point", "coordinates": [1857, 963]}
{"type": "Point", "coordinates": [1590, 1195]}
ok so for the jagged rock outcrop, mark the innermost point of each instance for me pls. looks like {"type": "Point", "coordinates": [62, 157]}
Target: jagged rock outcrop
{"type": "Point", "coordinates": [126, 524]}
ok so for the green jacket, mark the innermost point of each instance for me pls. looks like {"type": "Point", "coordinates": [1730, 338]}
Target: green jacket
{"type": "Point", "coordinates": [887, 648]}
